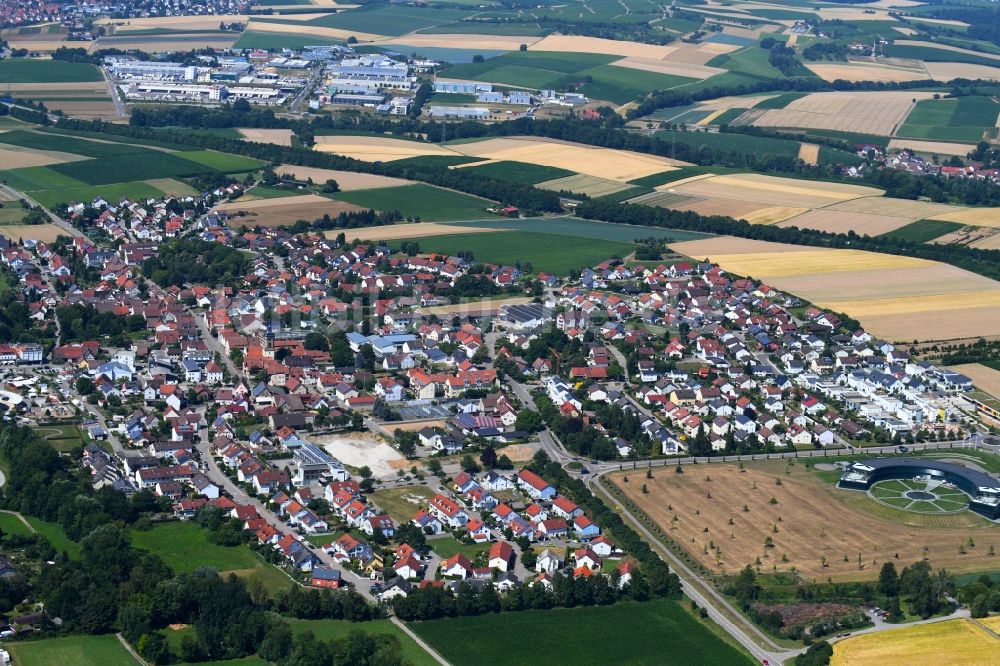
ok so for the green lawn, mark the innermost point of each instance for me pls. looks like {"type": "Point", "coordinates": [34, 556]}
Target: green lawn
{"type": "Point", "coordinates": [401, 503]}
{"type": "Point", "coordinates": [103, 650]}
{"type": "Point", "coordinates": [224, 162]}
{"type": "Point", "coordinates": [923, 231]}
{"type": "Point", "coordinates": [11, 213]}
{"type": "Point", "coordinates": [11, 524]}
{"type": "Point", "coordinates": [449, 546]}
{"type": "Point", "coordinates": [657, 632]}
{"type": "Point", "coordinates": [545, 252]}
{"type": "Point", "coordinates": [520, 172]}
{"type": "Point", "coordinates": [184, 546]}
{"type": "Point", "coordinates": [429, 203]}
{"type": "Point", "coordinates": [84, 193]}
{"type": "Point", "coordinates": [56, 536]}
{"type": "Point", "coordinates": [24, 70]}
{"type": "Point", "coordinates": [63, 438]}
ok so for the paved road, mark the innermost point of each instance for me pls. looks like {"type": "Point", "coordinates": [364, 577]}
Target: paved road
{"type": "Point", "coordinates": [113, 91]}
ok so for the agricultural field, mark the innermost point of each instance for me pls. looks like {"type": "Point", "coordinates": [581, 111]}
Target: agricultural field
{"type": "Point", "coordinates": [279, 137]}
{"type": "Point", "coordinates": [951, 643]}
{"type": "Point", "coordinates": [591, 186]}
{"type": "Point", "coordinates": [346, 180]}
{"type": "Point", "coordinates": [897, 298]}
{"type": "Point", "coordinates": [984, 377]}
{"type": "Point", "coordinates": [819, 523]}
{"type": "Point", "coordinates": [43, 70]}
{"type": "Point", "coordinates": [406, 231]}
{"type": "Point", "coordinates": [328, 630]}
{"type": "Point", "coordinates": [931, 148]}
{"type": "Point", "coordinates": [571, 226]}
{"type": "Point", "coordinates": [545, 252]}
{"type": "Point", "coordinates": [104, 650]}
{"type": "Point", "coordinates": [924, 231]}
{"type": "Point", "coordinates": [961, 119]}
{"type": "Point", "coordinates": [16, 157]}
{"type": "Point", "coordinates": [520, 172]}
{"type": "Point", "coordinates": [378, 149]}
{"type": "Point", "coordinates": [774, 190]}
{"type": "Point", "coordinates": [877, 113]}
{"type": "Point", "coordinates": [282, 211]}
{"type": "Point", "coordinates": [528, 69]}
{"type": "Point", "coordinates": [656, 629]}
{"type": "Point", "coordinates": [840, 222]}
{"type": "Point", "coordinates": [862, 71]}
{"type": "Point", "coordinates": [224, 162]}
{"type": "Point", "coordinates": [426, 202]}
{"type": "Point", "coordinates": [45, 233]}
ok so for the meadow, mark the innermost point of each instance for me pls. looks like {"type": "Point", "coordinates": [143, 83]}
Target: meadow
{"type": "Point", "coordinates": [624, 84]}
{"type": "Point", "coordinates": [11, 524]}
{"type": "Point", "coordinates": [103, 650]}
{"type": "Point", "coordinates": [56, 536]}
{"type": "Point", "coordinates": [529, 69]}
{"type": "Point", "coordinates": [520, 172]}
{"type": "Point", "coordinates": [224, 162]}
{"type": "Point", "coordinates": [69, 144]}
{"type": "Point", "coordinates": [545, 252]}
{"type": "Point", "coordinates": [655, 632]}
{"type": "Point", "coordinates": [422, 201]}
{"type": "Point", "coordinates": [25, 70]}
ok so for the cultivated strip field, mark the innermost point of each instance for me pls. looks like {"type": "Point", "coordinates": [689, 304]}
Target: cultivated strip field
{"type": "Point", "coordinates": [347, 180]}
{"type": "Point", "coordinates": [16, 157]}
{"type": "Point", "coordinates": [982, 217]}
{"type": "Point", "coordinates": [284, 211]}
{"type": "Point", "coordinates": [577, 44]}
{"type": "Point", "coordinates": [816, 520]}
{"type": "Point", "coordinates": [946, 71]}
{"type": "Point", "coordinates": [590, 185]}
{"type": "Point", "coordinates": [868, 112]}
{"type": "Point", "coordinates": [404, 231]}
{"type": "Point", "coordinates": [898, 298]}
{"type": "Point", "coordinates": [951, 643]}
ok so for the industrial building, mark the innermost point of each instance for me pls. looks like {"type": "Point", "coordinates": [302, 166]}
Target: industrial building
{"type": "Point", "coordinates": [137, 69]}
{"type": "Point", "coordinates": [462, 87]}
{"type": "Point", "coordinates": [461, 112]}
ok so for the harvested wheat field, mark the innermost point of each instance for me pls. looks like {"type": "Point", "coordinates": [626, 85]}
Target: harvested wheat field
{"type": "Point", "coordinates": [16, 157]}
{"type": "Point", "coordinates": [776, 191]}
{"type": "Point", "coordinates": [690, 179]}
{"type": "Point", "coordinates": [283, 211]}
{"type": "Point", "coordinates": [575, 44]}
{"type": "Point", "coordinates": [773, 214]}
{"type": "Point", "coordinates": [85, 110]}
{"type": "Point", "coordinates": [816, 520]}
{"type": "Point", "coordinates": [45, 233]}
{"type": "Point", "coordinates": [460, 41]}
{"type": "Point", "coordinates": [809, 153]}
{"type": "Point", "coordinates": [851, 14]}
{"type": "Point", "coordinates": [669, 67]}
{"type": "Point", "coordinates": [959, 642]}
{"type": "Point", "coordinates": [986, 243]}
{"type": "Point", "coordinates": [984, 377]}
{"type": "Point", "coordinates": [980, 217]}
{"type": "Point", "coordinates": [893, 207]}
{"type": "Point", "coordinates": [64, 88]}
{"type": "Point", "coordinates": [170, 22]}
{"type": "Point", "coordinates": [258, 25]}
{"type": "Point", "coordinates": [606, 163]}
{"type": "Point", "coordinates": [840, 222]}
{"type": "Point", "coordinates": [279, 137]}
{"type": "Point", "coordinates": [932, 147]}
{"type": "Point", "coordinates": [377, 148]}
{"type": "Point", "coordinates": [592, 186]}
{"type": "Point", "coordinates": [868, 112]}
{"type": "Point", "coordinates": [857, 71]}
{"type": "Point", "coordinates": [946, 71]}
{"type": "Point", "coordinates": [403, 231]}
{"type": "Point", "coordinates": [898, 298]}
{"type": "Point", "coordinates": [347, 180]}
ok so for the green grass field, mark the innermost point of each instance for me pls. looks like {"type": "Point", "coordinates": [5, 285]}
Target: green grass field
{"type": "Point", "coordinates": [56, 536]}
{"type": "Point", "coordinates": [779, 101]}
{"type": "Point", "coordinates": [24, 70]}
{"type": "Point", "coordinates": [529, 69]}
{"type": "Point", "coordinates": [328, 630]}
{"type": "Point", "coordinates": [657, 632]}
{"type": "Point", "coordinates": [11, 524]}
{"type": "Point", "coordinates": [69, 144]}
{"type": "Point", "coordinates": [961, 119]}
{"type": "Point", "coordinates": [624, 84]}
{"type": "Point", "coordinates": [430, 204]}
{"type": "Point", "coordinates": [401, 503]}
{"type": "Point", "coordinates": [11, 213]}
{"type": "Point", "coordinates": [259, 39]}
{"type": "Point", "coordinates": [85, 193]}
{"type": "Point", "coordinates": [751, 61]}
{"type": "Point", "coordinates": [63, 438]}
{"type": "Point", "coordinates": [30, 179]}
{"type": "Point", "coordinates": [742, 143]}
{"type": "Point", "coordinates": [520, 172]}
{"type": "Point", "coordinates": [449, 546]}
{"type": "Point", "coordinates": [545, 252]}
{"type": "Point", "coordinates": [103, 650]}
{"type": "Point", "coordinates": [385, 20]}
{"type": "Point", "coordinates": [132, 167]}
{"type": "Point", "coordinates": [930, 54]}
{"type": "Point", "coordinates": [224, 162]}
{"type": "Point", "coordinates": [923, 231]}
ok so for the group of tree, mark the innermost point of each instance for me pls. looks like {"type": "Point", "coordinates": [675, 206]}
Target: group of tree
{"type": "Point", "coordinates": [182, 261]}
{"type": "Point", "coordinates": [80, 322]}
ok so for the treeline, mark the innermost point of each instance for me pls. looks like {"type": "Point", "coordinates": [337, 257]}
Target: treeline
{"type": "Point", "coordinates": [188, 261]}
{"type": "Point", "coordinates": [27, 115]}
{"type": "Point", "coordinates": [80, 322]}
{"type": "Point", "coordinates": [984, 22]}
{"type": "Point", "coordinates": [984, 262]}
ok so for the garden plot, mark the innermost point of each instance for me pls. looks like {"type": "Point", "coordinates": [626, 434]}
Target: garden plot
{"type": "Point", "coordinates": [877, 113]}
{"type": "Point", "coordinates": [592, 186]}
{"type": "Point", "coordinates": [346, 180]}
{"type": "Point", "coordinates": [840, 222]}
{"type": "Point", "coordinates": [776, 191]}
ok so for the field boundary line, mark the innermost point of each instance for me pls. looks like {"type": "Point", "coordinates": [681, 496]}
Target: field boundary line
{"type": "Point", "coordinates": [20, 517]}
{"type": "Point", "coordinates": [985, 628]}
{"type": "Point", "coordinates": [419, 641]}
{"type": "Point", "coordinates": [131, 650]}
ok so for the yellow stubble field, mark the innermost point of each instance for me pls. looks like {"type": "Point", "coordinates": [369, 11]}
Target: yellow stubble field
{"type": "Point", "coordinates": [949, 643]}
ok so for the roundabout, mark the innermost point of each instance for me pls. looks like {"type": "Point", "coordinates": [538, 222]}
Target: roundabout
{"type": "Point", "coordinates": [919, 494]}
